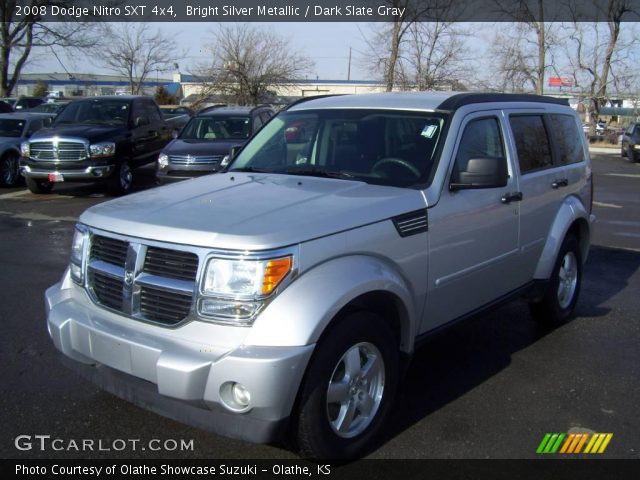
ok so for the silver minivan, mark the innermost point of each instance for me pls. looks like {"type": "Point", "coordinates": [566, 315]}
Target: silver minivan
{"type": "Point", "coordinates": [282, 297]}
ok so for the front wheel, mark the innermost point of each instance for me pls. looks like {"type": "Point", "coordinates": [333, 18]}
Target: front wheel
{"type": "Point", "coordinates": [9, 170]}
{"type": "Point", "coordinates": [561, 293]}
{"type": "Point", "coordinates": [348, 389]}
{"type": "Point", "coordinates": [38, 186]}
{"type": "Point", "coordinates": [121, 180]}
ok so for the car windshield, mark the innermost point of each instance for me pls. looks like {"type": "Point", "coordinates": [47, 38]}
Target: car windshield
{"type": "Point", "coordinates": [395, 148]}
{"type": "Point", "coordinates": [11, 127]}
{"type": "Point", "coordinates": [98, 112]}
{"type": "Point", "coordinates": [217, 128]}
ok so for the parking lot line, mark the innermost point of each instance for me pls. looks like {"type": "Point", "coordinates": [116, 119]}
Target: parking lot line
{"type": "Point", "coordinates": [15, 194]}
{"type": "Point", "coordinates": [627, 175]}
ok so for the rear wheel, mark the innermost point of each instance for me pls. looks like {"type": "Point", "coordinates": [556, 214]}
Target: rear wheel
{"type": "Point", "coordinates": [561, 292]}
{"type": "Point", "coordinates": [9, 170]}
{"type": "Point", "coordinates": [121, 180]}
{"type": "Point", "coordinates": [38, 186]}
{"type": "Point", "coordinates": [348, 388]}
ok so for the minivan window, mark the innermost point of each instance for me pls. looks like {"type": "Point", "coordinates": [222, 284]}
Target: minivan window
{"type": "Point", "coordinates": [567, 138]}
{"type": "Point", "coordinates": [379, 147]}
{"type": "Point", "coordinates": [532, 142]}
{"type": "Point", "coordinates": [481, 138]}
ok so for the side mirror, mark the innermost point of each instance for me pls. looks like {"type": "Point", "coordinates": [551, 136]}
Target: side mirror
{"type": "Point", "coordinates": [141, 121]}
{"type": "Point", "coordinates": [485, 172]}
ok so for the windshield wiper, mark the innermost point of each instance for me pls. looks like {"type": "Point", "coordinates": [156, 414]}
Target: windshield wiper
{"type": "Point", "coordinates": [249, 170]}
{"type": "Point", "coordinates": [317, 172]}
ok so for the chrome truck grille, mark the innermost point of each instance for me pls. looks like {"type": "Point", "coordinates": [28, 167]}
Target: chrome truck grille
{"type": "Point", "coordinates": [145, 282]}
{"type": "Point", "coordinates": [59, 150]}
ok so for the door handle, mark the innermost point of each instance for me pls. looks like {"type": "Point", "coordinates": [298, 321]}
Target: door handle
{"type": "Point", "coordinates": [563, 182]}
{"type": "Point", "coordinates": [511, 197]}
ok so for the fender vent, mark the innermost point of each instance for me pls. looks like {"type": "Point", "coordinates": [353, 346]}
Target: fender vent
{"type": "Point", "coordinates": [411, 223]}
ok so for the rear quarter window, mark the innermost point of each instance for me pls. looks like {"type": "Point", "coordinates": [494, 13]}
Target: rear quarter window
{"type": "Point", "coordinates": [567, 138]}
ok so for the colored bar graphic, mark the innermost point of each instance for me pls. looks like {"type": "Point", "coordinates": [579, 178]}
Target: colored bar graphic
{"type": "Point", "coordinates": [573, 443]}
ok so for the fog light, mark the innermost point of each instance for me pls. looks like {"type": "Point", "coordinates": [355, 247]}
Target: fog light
{"type": "Point", "coordinates": [241, 395]}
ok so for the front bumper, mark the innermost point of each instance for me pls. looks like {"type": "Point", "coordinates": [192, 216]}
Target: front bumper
{"type": "Point", "coordinates": [87, 170]}
{"type": "Point", "coordinates": [177, 172]}
{"type": "Point", "coordinates": [180, 373]}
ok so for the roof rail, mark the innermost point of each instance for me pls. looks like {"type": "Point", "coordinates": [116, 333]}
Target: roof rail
{"type": "Point", "coordinates": [306, 99]}
{"type": "Point", "coordinates": [212, 107]}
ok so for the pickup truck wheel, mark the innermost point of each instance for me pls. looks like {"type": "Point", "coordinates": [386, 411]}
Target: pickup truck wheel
{"type": "Point", "coordinates": [121, 180]}
{"type": "Point", "coordinates": [9, 174]}
{"type": "Point", "coordinates": [348, 388]}
{"type": "Point", "coordinates": [38, 186]}
{"type": "Point", "coordinates": [561, 293]}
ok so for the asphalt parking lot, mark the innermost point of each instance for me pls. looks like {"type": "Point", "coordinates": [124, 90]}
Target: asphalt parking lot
{"type": "Point", "coordinates": [490, 387]}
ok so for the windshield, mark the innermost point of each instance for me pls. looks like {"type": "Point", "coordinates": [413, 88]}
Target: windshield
{"type": "Point", "coordinates": [217, 128]}
{"type": "Point", "coordinates": [11, 128]}
{"type": "Point", "coordinates": [381, 147]}
{"type": "Point", "coordinates": [102, 112]}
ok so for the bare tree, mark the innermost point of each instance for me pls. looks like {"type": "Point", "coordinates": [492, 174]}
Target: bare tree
{"type": "Point", "coordinates": [247, 61]}
{"type": "Point", "coordinates": [134, 51]}
{"type": "Point", "coordinates": [21, 36]}
{"type": "Point", "coordinates": [524, 50]}
{"type": "Point", "coordinates": [389, 43]}
{"type": "Point", "coordinates": [602, 55]}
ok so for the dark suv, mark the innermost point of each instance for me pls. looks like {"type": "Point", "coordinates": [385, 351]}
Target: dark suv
{"type": "Point", "coordinates": [207, 139]}
{"type": "Point", "coordinates": [631, 142]}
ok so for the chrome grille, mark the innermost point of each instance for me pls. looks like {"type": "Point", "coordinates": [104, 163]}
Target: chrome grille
{"type": "Point", "coordinates": [147, 283]}
{"type": "Point", "coordinates": [58, 150]}
{"type": "Point", "coordinates": [107, 289]}
{"type": "Point", "coordinates": [171, 263]}
{"type": "Point", "coordinates": [195, 159]}
{"type": "Point", "coordinates": [164, 307]}
{"type": "Point", "coordinates": [109, 250]}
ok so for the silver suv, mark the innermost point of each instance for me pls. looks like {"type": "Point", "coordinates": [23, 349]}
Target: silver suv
{"type": "Point", "coordinates": [284, 296]}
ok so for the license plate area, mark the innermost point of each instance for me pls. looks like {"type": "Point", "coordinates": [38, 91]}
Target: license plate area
{"type": "Point", "coordinates": [56, 177]}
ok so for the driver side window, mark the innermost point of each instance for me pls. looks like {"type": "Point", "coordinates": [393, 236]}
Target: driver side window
{"type": "Point", "coordinates": [481, 139]}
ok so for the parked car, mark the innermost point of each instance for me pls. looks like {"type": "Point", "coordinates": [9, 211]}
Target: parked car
{"type": "Point", "coordinates": [630, 146]}
{"type": "Point", "coordinates": [5, 107]}
{"type": "Point", "coordinates": [285, 295]}
{"type": "Point", "coordinates": [14, 129]}
{"type": "Point", "coordinates": [50, 107]}
{"type": "Point", "coordinates": [22, 103]}
{"type": "Point", "coordinates": [207, 139]}
{"type": "Point", "coordinates": [177, 116]}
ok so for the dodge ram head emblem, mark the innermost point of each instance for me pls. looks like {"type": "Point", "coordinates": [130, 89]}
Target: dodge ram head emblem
{"type": "Point", "coordinates": [128, 278]}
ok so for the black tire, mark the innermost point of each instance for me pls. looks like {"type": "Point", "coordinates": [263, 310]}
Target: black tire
{"type": "Point", "coordinates": [315, 431]}
{"type": "Point", "coordinates": [623, 152]}
{"type": "Point", "coordinates": [559, 301]}
{"type": "Point", "coordinates": [120, 182]}
{"type": "Point", "coordinates": [38, 186]}
{"type": "Point", "coordinates": [9, 170]}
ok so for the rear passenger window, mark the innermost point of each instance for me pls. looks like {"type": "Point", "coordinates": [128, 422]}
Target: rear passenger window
{"type": "Point", "coordinates": [532, 142]}
{"type": "Point", "coordinates": [568, 139]}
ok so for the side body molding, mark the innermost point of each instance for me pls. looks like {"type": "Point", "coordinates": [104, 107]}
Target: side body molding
{"type": "Point", "coordinates": [570, 211]}
{"type": "Point", "coordinates": [299, 315]}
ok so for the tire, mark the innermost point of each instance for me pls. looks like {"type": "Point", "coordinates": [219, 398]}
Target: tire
{"type": "Point", "coordinates": [9, 170]}
{"type": "Point", "coordinates": [38, 186]}
{"type": "Point", "coordinates": [562, 291]}
{"type": "Point", "coordinates": [121, 180]}
{"type": "Point", "coordinates": [623, 152]}
{"type": "Point", "coordinates": [358, 361]}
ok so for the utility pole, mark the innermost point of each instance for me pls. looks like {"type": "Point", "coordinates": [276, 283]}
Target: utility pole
{"type": "Point", "coordinates": [349, 67]}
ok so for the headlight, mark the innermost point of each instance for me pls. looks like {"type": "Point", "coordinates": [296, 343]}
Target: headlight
{"type": "Point", "coordinates": [77, 252]}
{"type": "Point", "coordinates": [234, 289]}
{"type": "Point", "coordinates": [25, 149]}
{"type": "Point", "coordinates": [163, 160]}
{"type": "Point", "coordinates": [107, 149]}
{"type": "Point", "coordinates": [636, 147]}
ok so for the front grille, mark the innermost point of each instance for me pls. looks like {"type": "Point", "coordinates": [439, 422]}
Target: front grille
{"type": "Point", "coordinates": [195, 159]}
{"type": "Point", "coordinates": [147, 283]}
{"type": "Point", "coordinates": [164, 307]}
{"type": "Point", "coordinates": [58, 150]}
{"type": "Point", "coordinates": [108, 250]}
{"type": "Point", "coordinates": [171, 263]}
{"type": "Point", "coordinates": [107, 289]}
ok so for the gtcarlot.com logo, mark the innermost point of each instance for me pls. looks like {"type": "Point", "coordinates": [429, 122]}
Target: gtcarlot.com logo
{"type": "Point", "coordinates": [574, 443]}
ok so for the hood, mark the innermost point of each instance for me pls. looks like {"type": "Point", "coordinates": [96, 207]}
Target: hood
{"type": "Point", "coordinates": [93, 133]}
{"type": "Point", "coordinates": [201, 147]}
{"type": "Point", "coordinates": [248, 211]}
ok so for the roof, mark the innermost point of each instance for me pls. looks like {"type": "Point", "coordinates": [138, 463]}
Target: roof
{"type": "Point", "coordinates": [417, 101]}
{"type": "Point", "coordinates": [25, 115]}
{"type": "Point", "coordinates": [110, 97]}
{"type": "Point", "coordinates": [233, 110]}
